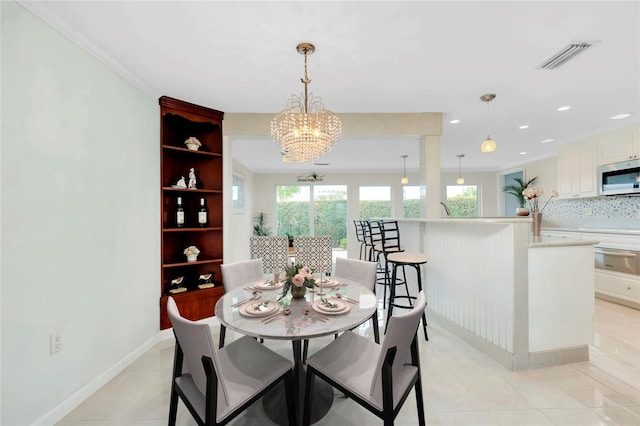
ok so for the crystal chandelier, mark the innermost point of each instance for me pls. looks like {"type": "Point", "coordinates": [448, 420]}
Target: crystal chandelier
{"type": "Point", "coordinates": [305, 130]}
{"type": "Point", "coordinates": [489, 144]}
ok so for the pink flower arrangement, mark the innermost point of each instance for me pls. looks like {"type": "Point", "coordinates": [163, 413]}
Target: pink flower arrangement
{"type": "Point", "coordinates": [297, 275]}
{"type": "Point", "coordinates": [533, 194]}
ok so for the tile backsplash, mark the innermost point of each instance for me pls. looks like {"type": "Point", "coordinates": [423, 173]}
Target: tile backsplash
{"type": "Point", "coordinates": [605, 212]}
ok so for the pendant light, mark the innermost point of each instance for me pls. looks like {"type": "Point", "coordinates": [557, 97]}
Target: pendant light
{"type": "Point", "coordinates": [460, 179]}
{"type": "Point", "coordinates": [405, 179]}
{"type": "Point", "coordinates": [489, 144]}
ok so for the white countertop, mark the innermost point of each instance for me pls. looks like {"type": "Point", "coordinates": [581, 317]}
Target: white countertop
{"type": "Point", "coordinates": [561, 242]}
{"type": "Point", "coordinates": [597, 230]}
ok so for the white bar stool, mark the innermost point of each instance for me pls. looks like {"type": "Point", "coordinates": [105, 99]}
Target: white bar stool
{"type": "Point", "coordinates": [402, 259]}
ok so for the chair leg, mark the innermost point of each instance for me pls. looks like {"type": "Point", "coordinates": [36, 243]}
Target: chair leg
{"type": "Point", "coordinates": [308, 395]}
{"type": "Point", "coordinates": [392, 295]}
{"type": "Point", "coordinates": [173, 406]}
{"type": "Point", "coordinates": [419, 401]}
{"type": "Point", "coordinates": [223, 331]}
{"type": "Point", "coordinates": [291, 406]}
{"type": "Point", "coordinates": [424, 318]}
{"type": "Point", "coordinates": [376, 330]}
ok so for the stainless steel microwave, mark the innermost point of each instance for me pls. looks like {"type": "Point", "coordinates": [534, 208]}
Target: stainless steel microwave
{"type": "Point", "coordinates": [619, 178]}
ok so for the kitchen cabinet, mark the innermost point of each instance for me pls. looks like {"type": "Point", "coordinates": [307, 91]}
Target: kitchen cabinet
{"type": "Point", "coordinates": [577, 171]}
{"type": "Point", "coordinates": [620, 145]}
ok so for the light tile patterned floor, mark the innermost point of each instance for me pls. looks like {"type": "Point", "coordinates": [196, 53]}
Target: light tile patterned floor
{"type": "Point", "coordinates": [462, 386]}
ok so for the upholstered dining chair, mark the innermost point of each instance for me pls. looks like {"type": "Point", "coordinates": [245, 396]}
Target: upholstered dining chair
{"type": "Point", "coordinates": [217, 385]}
{"type": "Point", "coordinates": [378, 377]}
{"type": "Point", "coordinates": [236, 275]}
{"type": "Point", "coordinates": [273, 250]}
{"type": "Point", "coordinates": [315, 252]}
{"type": "Point", "coordinates": [362, 272]}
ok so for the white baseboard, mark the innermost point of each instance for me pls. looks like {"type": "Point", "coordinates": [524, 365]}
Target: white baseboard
{"type": "Point", "coordinates": [69, 404]}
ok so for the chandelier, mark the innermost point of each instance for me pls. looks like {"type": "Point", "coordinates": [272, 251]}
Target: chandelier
{"type": "Point", "coordinates": [405, 179]}
{"type": "Point", "coordinates": [305, 130]}
{"type": "Point", "coordinates": [460, 179]}
{"type": "Point", "coordinates": [489, 145]}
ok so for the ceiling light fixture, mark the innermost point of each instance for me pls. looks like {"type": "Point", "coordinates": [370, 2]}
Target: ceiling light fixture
{"type": "Point", "coordinates": [564, 108]}
{"type": "Point", "coordinates": [548, 140]}
{"type": "Point", "coordinates": [405, 179]}
{"type": "Point", "coordinates": [489, 144]}
{"type": "Point", "coordinates": [454, 121]}
{"type": "Point", "coordinates": [305, 130]}
{"type": "Point", "coordinates": [460, 179]}
{"type": "Point", "coordinates": [620, 116]}
{"type": "Point", "coordinates": [523, 127]}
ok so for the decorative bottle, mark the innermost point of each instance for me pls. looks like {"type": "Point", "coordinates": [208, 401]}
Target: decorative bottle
{"type": "Point", "coordinates": [203, 213]}
{"type": "Point", "coordinates": [179, 214]}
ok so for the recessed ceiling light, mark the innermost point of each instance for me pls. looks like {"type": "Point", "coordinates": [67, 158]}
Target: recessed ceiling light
{"type": "Point", "coordinates": [523, 152]}
{"type": "Point", "coordinates": [620, 116]}
{"type": "Point", "coordinates": [524, 127]}
{"type": "Point", "coordinates": [548, 140]}
{"type": "Point", "coordinates": [454, 121]}
{"type": "Point", "coordinates": [564, 108]}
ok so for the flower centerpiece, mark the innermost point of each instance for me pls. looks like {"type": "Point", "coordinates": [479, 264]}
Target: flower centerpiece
{"type": "Point", "coordinates": [298, 278]}
{"type": "Point", "coordinates": [192, 253]}
{"type": "Point", "coordinates": [533, 196]}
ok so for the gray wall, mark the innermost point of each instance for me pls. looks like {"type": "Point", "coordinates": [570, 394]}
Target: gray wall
{"type": "Point", "coordinates": [80, 201]}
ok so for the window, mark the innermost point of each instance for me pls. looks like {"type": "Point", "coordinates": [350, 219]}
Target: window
{"type": "Point", "coordinates": [375, 202]}
{"type": "Point", "coordinates": [462, 200]}
{"type": "Point", "coordinates": [411, 201]}
{"type": "Point", "coordinates": [312, 210]}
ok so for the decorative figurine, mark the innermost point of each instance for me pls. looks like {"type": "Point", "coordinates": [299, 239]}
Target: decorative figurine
{"type": "Point", "coordinates": [205, 281]}
{"type": "Point", "coordinates": [176, 286]}
{"type": "Point", "coordinates": [192, 179]}
{"type": "Point", "coordinates": [193, 143]}
{"type": "Point", "coordinates": [181, 183]}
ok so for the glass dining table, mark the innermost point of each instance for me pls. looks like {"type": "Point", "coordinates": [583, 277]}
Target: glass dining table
{"type": "Point", "coordinates": [257, 310]}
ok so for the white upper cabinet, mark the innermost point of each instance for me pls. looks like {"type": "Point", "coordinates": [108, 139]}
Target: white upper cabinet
{"type": "Point", "coordinates": [577, 171]}
{"type": "Point", "coordinates": [619, 145]}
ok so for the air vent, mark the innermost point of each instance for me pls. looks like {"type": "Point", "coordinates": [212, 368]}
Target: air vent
{"type": "Point", "coordinates": [566, 54]}
{"type": "Point", "coordinates": [320, 164]}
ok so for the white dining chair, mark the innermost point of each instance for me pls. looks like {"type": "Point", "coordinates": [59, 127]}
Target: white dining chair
{"type": "Point", "coordinates": [235, 275]}
{"type": "Point", "coordinates": [378, 377]}
{"type": "Point", "coordinates": [361, 272]}
{"type": "Point", "coordinates": [217, 385]}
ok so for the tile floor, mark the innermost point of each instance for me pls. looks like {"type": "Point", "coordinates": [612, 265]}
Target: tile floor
{"type": "Point", "coordinates": [461, 386]}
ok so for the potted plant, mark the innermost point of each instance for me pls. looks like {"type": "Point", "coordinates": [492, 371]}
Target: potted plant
{"type": "Point", "coordinates": [290, 238]}
{"type": "Point", "coordinates": [260, 227]}
{"type": "Point", "coordinates": [516, 190]}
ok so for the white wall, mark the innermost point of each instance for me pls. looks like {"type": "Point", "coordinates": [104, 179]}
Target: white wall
{"type": "Point", "coordinates": [80, 222]}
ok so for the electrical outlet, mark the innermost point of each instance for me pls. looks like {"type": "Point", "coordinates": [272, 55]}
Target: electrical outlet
{"type": "Point", "coordinates": [55, 343]}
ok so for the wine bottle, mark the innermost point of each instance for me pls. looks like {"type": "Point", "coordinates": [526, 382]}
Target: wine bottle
{"type": "Point", "coordinates": [179, 214]}
{"type": "Point", "coordinates": [203, 214]}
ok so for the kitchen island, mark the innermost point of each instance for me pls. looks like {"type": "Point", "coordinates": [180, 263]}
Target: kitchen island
{"type": "Point", "coordinates": [526, 304]}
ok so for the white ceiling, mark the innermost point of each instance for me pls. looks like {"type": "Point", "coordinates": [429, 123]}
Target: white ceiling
{"type": "Point", "coordinates": [372, 57]}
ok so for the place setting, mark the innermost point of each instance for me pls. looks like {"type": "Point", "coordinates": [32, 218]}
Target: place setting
{"type": "Point", "coordinates": [269, 284]}
{"type": "Point", "coordinates": [259, 308]}
{"type": "Point", "coordinates": [331, 306]}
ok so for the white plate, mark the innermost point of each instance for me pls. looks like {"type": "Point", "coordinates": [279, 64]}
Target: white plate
{"type": "Point", "coordinates": [342, 307]}
{"type": "Point", "coordinates": [330, 282]}
{"type": "Point", "coordinates": [249, 309]}
{"type": "Point", "coordinates": [268, 285]}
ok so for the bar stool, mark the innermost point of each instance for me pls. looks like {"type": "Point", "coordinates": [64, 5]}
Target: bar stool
{"type": "Point", "coordinates": [360, 237]}
{"type": "Point", "coordinates": [389, 243]}
{"type": "Point", "coordinates": [402, 259]}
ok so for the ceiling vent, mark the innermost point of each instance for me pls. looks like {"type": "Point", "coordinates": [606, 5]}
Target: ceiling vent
{"type": "Point", "coordinates": [566, 54]}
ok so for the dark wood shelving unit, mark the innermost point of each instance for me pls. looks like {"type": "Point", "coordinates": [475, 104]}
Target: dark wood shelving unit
{"type": "Point", "coordinates": [180, 120]}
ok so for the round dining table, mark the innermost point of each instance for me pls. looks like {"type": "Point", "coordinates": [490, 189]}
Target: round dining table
{"type": "Point", "coordinates": [258, 309]}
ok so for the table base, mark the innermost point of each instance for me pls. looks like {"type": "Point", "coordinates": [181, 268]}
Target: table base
{"type": "Point", "coordinates": [275, 402]}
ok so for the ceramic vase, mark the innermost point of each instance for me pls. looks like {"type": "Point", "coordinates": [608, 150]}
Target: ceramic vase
{"type": "Point", "coordinates": [298, 292]}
